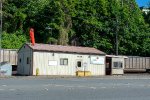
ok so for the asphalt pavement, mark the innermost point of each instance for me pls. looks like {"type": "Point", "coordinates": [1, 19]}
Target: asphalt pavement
{"type": "Point", "coordinates": [130, 87]}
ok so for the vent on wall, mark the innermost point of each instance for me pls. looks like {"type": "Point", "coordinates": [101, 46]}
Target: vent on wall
{"type": "Point", "coordinates": [79, 56]}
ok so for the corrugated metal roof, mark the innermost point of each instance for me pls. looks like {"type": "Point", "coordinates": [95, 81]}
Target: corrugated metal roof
{"type": "Point", "coordinates": [68, 49]}
{"type": "Point", "coordinates": [114, 56]}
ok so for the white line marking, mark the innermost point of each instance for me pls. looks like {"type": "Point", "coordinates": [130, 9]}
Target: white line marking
{"type": "Point", "coordinates": [93, 87]}
{"type": "Point", "coordinates": [46, 89]}
{"type": "Point", "coordinates": [12, 89]}
{"type": "Point", "coordinates": [4, 85]}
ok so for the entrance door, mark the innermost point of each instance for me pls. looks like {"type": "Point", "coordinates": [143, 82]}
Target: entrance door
{"type": "Point", "coordinates": [79, 65]}
{"type": "Point", "coordinates": [108, 66]}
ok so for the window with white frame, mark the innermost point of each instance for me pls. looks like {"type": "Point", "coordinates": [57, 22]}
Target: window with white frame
{"type": "Point", "coordinates": [117, 65]}
{"type": "Point", "coordinates": [63, 61]}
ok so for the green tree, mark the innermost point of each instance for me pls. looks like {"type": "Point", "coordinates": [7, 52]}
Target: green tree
{"type": "Point", "coordinates": [94, 23]}
{"type": "Point", "coordinates": [13, 41]}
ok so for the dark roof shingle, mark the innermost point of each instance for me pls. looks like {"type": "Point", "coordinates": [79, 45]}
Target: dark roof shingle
{"type": "Point", "coordinates": [69, 49]}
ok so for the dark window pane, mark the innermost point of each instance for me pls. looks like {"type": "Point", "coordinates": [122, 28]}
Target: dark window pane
{"type": "Point", "coordinates": [120, 64]}
{"type": "Point", "coordinates": [79, 63]}
{"type": "Point", "coordinates": [117, 64]}
{"type": "Point", "coordinates": [27, 60]}
{"type": "Point", "coordinates": [63, 61]}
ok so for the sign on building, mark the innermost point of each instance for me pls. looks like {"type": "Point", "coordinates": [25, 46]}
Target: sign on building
{"type": "Point", "coordinates": [97, 60]}
{"type": "Point", "coordinates": [52, 63]}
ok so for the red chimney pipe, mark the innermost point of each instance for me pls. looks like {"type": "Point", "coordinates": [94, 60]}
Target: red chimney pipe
{"type": "Point", "coordinates": [32, 36]}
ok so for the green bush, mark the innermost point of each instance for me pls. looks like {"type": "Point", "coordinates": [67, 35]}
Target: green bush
{"type": "Point", "coordinates": [12, 41]}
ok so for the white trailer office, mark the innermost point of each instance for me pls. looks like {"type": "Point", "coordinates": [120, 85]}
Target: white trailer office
{"type": "Point", "coordinates": [46, 59]}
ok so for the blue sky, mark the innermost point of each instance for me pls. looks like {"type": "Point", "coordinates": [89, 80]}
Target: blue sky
{"type": "Point", "coordinates": [142, 2]}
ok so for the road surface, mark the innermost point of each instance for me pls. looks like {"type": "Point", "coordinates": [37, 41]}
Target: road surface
{"type": "Point", "coordinates": [95, 88]}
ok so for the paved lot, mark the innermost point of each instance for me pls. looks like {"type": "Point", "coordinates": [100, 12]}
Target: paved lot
{"type": "Point", "coordinates": [95, 88]}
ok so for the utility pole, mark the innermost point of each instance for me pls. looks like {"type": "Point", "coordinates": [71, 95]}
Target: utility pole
{"type": "Point", "coordinates": [1, 22]}
{"type": "Point", "coordinates": [117, 37]}
{"type": "Point", "coordinates": [49, 29]}
{"type": "Point", "coordinates": [117, 30]}
{"type": "Point", "coordinates": [0, 30]}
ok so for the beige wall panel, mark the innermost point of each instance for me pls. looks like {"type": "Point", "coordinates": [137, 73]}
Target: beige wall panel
{"type": "Point", "coordinates": [117, 71]}
{"type": "Point", "coordinates": [41, 61]}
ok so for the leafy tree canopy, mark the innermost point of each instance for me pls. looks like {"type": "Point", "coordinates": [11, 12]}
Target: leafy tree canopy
{"type": "Point", "coordinates": [94, 23]}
